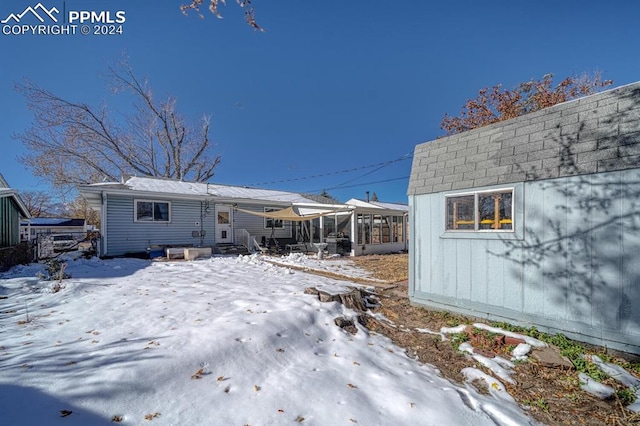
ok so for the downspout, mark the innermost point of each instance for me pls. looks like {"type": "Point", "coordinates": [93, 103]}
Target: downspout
{"type": "Point", "coordinates": [103, 224]}
{"type": "Point", "coordinates": [414, 257]}
{"type": "Point", "coordinates": [406, 231]}
{"type": "Point", "coordinates": [353, 232]}
{"type": "Point", "coordinates": [201, 223]}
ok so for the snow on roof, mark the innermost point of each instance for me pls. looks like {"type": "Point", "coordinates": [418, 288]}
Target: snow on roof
{"type": "Point", "coordinates": [391, 206]}
{"type": "Point", "coordinates": [378, 205]}
{"type": "Point", "coordinates": [168, 186]}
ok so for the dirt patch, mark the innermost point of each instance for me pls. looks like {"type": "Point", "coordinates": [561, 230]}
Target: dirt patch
{"type": "Point", "coordinates": [392, 268]}
{"type": "Point", "coordinates": [550, 395]}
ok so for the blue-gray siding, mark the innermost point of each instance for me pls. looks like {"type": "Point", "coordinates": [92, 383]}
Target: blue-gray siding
{"type": "Point", "coordinates": [124, 235]}
{"type": "Point", "coordinates": [575, 268]}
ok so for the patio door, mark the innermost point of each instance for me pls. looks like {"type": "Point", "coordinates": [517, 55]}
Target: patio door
{"type": "Point", "coordinates": [224, 224]}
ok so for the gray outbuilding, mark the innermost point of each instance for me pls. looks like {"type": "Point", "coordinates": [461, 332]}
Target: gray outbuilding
{"type": "Point", "coordinates": [535, 220]}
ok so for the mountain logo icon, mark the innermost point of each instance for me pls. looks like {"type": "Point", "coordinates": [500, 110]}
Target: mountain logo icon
{"type": "Point", "coordinates": [38, 11]}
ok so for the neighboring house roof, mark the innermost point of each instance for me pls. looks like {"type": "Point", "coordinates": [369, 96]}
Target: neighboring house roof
{"type": "Point", "coordinates": [377, 205]}
{"type": "Point", "coordinates": [55, 221]}
{"type": "Point", "coordinates": [11, 193]}
{"type": "Point", "coordinates": [319, 198]}
{"type": "Point", "coordinates": [197, 190]}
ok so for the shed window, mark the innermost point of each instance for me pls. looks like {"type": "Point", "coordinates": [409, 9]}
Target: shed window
{"type": "Point", "coordinates": [481, 211]}
{"type": "Point", "coordinates": [152, 211]}
{"type": "Point", "coordinates": [272, 223]}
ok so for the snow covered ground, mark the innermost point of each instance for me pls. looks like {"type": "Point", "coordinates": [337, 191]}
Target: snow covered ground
{"type": "Point", "coordinates": [337, 265]}
{"type": "Point", "coordinates": [221, 341]}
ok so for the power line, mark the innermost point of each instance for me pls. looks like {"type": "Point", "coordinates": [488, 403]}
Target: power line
{"type": "Point", "coordinates": [378, 165]}
{"type": "Point", "coordinates": [360, 184]}
{"type": "Point", "coordinates": [318, 191]}
{"type": "Point", "coordinates": [343, 184]}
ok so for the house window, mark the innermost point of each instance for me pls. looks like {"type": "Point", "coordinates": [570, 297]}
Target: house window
{"type": "Point", "coordinates": [397, 229]}
{"type": "Point", "coordinates": [480, 211]}
{"type": "Point", "coordinates": [329, 225]}
{"type": "Point", "coordinates": [343, 227]}
{"type": "Point", "coordinates": [376, 235]}
{"type": "Point", "coordinates": [272, 223]}
{"type": "Point", "coordinates": [223, 218]}
{"type": "Point", "coordinates": [364, 228]}
{"type": "Point", "coordinates": [152, 211]}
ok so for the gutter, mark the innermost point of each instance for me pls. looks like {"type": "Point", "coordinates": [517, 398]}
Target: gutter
{"type": "Point", "coordinates": [207, 197]}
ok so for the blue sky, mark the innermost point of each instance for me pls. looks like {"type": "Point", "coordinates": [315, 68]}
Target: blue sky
{"type": "Point", "coordinates": [330, 86]}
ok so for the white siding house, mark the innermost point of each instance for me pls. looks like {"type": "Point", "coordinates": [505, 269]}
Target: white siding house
{"type": "Point", "coordinates": [379, 227]}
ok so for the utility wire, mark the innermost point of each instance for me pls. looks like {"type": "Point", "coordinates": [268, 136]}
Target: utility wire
{"type": "Point", "coordinates": [378, 165]}
{"type": "Point", "coordinates": [280, 193]}
{"type": "Point", "coordinates": [362, 184]}
{"type": "Point", "coordinates": [344, 184]}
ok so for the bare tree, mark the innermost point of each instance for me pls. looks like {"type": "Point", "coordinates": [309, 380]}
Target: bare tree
{"type": "Point", "coordinates": [39, 203]}
{"type": "Point", "coordinates": [73, 143]}
{"type": "Point", "coordinates": [80, 208]}
{"type": "Point", "coordinates": [214, 7]}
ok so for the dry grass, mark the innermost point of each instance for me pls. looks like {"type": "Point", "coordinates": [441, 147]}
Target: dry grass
{"type": "Point", "coordinates": [392, 268]}
{"type": "Point", "coordinates": [551, 396]}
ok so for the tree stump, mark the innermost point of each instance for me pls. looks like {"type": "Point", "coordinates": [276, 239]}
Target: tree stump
{"type": "Point", "coordinates": [356, 299]}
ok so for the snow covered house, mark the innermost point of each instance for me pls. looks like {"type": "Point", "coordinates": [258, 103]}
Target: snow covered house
{"type": "Point", "coordinates": [143, 213]}
{"type": "Point", "coordinates": [535, 220]}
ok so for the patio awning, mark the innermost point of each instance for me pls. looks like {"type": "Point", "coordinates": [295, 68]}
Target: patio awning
{"type": "Point", "coordinates": [289, 214]}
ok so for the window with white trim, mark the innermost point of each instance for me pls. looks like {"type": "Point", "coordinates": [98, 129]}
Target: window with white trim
{"type": "Point", "coordinates": [480, 211]}
{"type": "Point", "coordinates": [270, 222]}
{"type": "Point", "coordinates": [397, 229]}
{"type": "Point", "coordinates": [152, 211]}
{"type": "Point", "coordinates": [379, 229]}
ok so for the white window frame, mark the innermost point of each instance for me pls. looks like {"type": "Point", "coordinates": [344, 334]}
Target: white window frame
{"type": "Point", "coordinates": [275, 226]}
{"type": "Point", "coordinates": [476, 218]}
{"type": "Point", "coordinates": [153, 202]}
